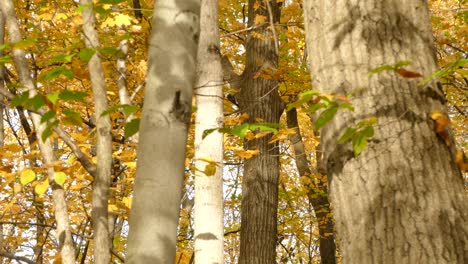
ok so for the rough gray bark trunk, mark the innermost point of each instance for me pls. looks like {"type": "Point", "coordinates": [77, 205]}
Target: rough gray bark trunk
{"type": "Point", "coordinates": [65, 246]}
{"type": "Point", "coordinates": [317, 193]}
{"type": "Point", "coordinates": [402, 199]}
{"type": "Point", "coordinates": [208, 217]}
{"type": "Point", "coordinates": [259, 98]}
{"type": "Point", "coordinates": [101, 183]}
{"type": "Point", "coordinates": [163, 132]}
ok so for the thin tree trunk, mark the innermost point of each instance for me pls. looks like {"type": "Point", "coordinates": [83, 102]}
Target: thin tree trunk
{"type": "Point", "coordinates": [402, 199]}
{"type": "Point", "coordinates": [101, 182]}
{"type": "Point", "coordinates": [163, 132]}
{"type": "Point", "coordinates": [260, 100]}
{"type": "Point", "coordinates": [316, 192]}
{"type": "Point", "coordinates": [208, 218]}
{"type": "Point", "coordinates": [64, 237]}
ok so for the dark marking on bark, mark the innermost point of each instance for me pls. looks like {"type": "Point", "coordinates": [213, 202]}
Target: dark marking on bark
{"type": "Point", "coordinates": [181, 110]}
{"type": "Point", "coordinates": [212, 48]}
{"type": "Point", "coordinates": [435, 94]}
{"type": "Point", "coordinates": [206, 236]}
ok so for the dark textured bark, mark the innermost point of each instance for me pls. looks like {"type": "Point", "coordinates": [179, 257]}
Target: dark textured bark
{"type": "Point", "coordinates": [317, 192]}
{"type": "Point", "coordinates": [402, 199]}
{"type": "Point", "coordinates": [260, 100]}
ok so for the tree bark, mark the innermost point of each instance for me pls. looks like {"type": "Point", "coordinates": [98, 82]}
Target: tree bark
{"type": "Point", "coordinates": [208, 218]}
{"type": "Point", "coordinates": [317, 193]}
{"type": "Point", "coordinates": [163, 132]}
{"type": "Point", "coordinates": [402, 199]}
{"type": "Point", "coordinates": [65, 241]}
{"type": "Point", "coordinates": [101, 183]}
{"type": "Point", "coordinates": [259, 98]}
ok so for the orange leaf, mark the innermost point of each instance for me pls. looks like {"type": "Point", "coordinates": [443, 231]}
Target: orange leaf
{"type": "Point", "coordinates": [407, 74]}
{"type": "Point", "coordinates": [441, 124]}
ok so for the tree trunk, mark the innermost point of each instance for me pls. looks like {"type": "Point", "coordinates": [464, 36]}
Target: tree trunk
{"type": "Point", "coordinates": [317, 193]}
{"type": "Point", "coordinates": [208, 218]}
{"type": "Point", "coordinates": [402, 199]}
{"type": "Point", "coordinates": [65, 241]}
{"type": "Point", "coordinates": [101, 183]}
{"type": "Point", "coordinates": [163, 132]}
{"type": "Point", "coordinates": [259, 98]}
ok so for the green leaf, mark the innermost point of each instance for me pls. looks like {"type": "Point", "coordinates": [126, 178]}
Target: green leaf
{"type": "Point", "coordinates": [348, 134]}
{"type": "Point", "coordinates": [132, 127]}
{"type": "Point", "coordinates": [130, 109]}
{"type": "Point", "coordinates": [304, 97]}
{"type": "Point", "coordinates": [69, 95]}
{"type": "Point", "coordinates": [272, 127]}
{"type": "Point", "coordinates": [347, 106]}
{"type": "Point", "coordinates": [315, 107]}
{"type": "Point", "coordinates": [326, 116]}
{"type": "Point", "coordinates": [53, 97]}
{"type": "Point", "coordinates": [240, 130]}
{"type": "Point", "coordinates": [86, 54]}
{"type": "Point", "coordinates": [381, 69]}
{"type": "Point", "coordinates": [20, 99]}
{"type": "Point", "coordinates": [36, 102]}
{"type": "Point", "coordinates": [207, 132]}
{"type": "Point", "coordinates": [83, 7]}
{"type": "Point", "coordinates": [47, 116]}
{"type": "Point", "coordinates": [62, 58]}
{"type": "Point", "coordinates": [401, 64]}
{"type": "Point", "coordinates": [25, 43]}
{"type": "Point", "coordinates": [72, 117]}
{"type": "Point", "coordinates": [56, 72]}
{"type": "Point", "coordinates": [27, 176]}
{"type": "Point", "coordinates": [60, 177]}
{"type": "Point", "coordinates": [127, 109]}
{"type": "Point", "coordinates": [390, 67]}
{"type": "Point", "coordinates": [5, 59]}
{"type": "Point", "coordinates": [110, 2]}
{"type": "Point", "coordinates": [109, 51]}
{"type": "Point", "coordinates": [360, 139]}
{"type": "Point", "coordinates": [48, 130]}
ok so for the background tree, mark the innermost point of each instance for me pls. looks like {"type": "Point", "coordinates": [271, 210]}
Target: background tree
{"type": "Point", "coordinates": [208, 217]}
{"type": "Point", "coordinates": [163, 133]}
{"type": "Point", "coordinates": [397, 178]}
{"type": "Point", "coordinates": [259, 99]}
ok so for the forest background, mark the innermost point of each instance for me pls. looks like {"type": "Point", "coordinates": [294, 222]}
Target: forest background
{"type": "Point", "coordinates": [59, 62]}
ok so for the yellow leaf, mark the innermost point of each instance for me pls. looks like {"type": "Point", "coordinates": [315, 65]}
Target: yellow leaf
{"type": "Point", "coordinates": [246, 154]}
{"type": "Point", "coordinates": [17, 188]}
{"type": "Point", "coordinates": [112, 208]}
{"type": "Point", "coordinates": [127, 201]}
{"type": "Point", "coordinates": [27, 176]}
{"type": "Point", "coordinates": [259, 19]}
{"type": "Point", "coordinates": [41, 188]}
{"type": "Point", "coordinates": [76, 187]}
{"type": "Point", "coordinates": [210, 169]}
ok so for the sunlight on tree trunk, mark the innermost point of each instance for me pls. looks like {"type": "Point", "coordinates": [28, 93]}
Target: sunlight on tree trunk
{"type": "Point", "coordinates": [163, 132]}
{"type": "Point", "coordinates": [208, 217]}
{"type": "Point", "coordinates": [65, 241]}
{"type": "Point", "coordinates": [402, 199]}
{"type": "Point", "coordinates": [101, 183]}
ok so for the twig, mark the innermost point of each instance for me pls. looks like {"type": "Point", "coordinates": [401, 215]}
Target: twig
{"type": "Point", "coordinates": [18, 258]}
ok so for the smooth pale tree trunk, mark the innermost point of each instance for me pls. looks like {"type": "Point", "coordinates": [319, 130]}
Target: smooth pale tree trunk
{"type": "Point", "coordinates": [208, 217]}
{"type": "Point", "coordinates": [402, 199]}
{"type": "Point", "coordinates": [64, 238]}
{"type": "Point", "coordinates": [259, 98]}
{"type": "Point", "coordinates": [317, 192]}
{"type": "Point", "coordinates": [101, 183]}
{"type": "Point", "coordinates": [163, 132]}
